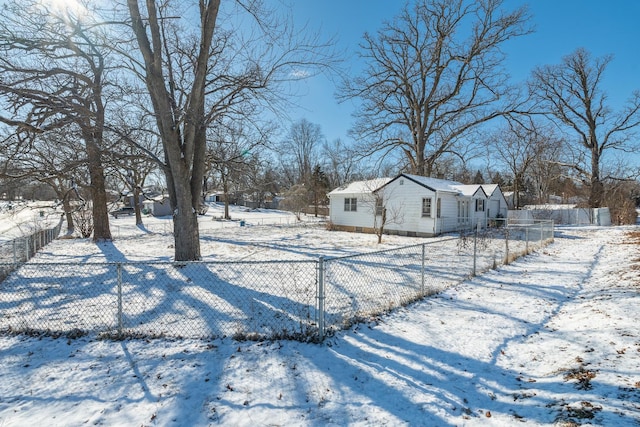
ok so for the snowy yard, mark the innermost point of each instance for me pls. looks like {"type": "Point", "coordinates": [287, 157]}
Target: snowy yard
{"type": "Point", "coordinates": [548, 340]}
{"type": "Point", "coordinates": [18, 219]}
{"type": "Point", "coordinates": [256, 280]}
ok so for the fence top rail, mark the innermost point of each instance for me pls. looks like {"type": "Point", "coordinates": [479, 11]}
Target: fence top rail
{"type": "Point", "coordinates": [525, 221]}
{"type": "Point", "coordinates": [173, 263]}
{"type": "Point", "coordinates": [529, 224]}
{"type": "Point", "coordinates": [31, 234]}
{"type": "Point", "coordinates": [433, 242]}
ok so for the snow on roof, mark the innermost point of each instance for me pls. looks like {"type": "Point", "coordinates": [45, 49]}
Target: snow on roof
{"type": "Point", "coordinates": [367, 186]}
{"type": "Point", "coordinates": [489, 188]}
{"type": "Point", "coordinates": [469, 189]}
{"type": "Point", "coordinates": [435, 184]}
{"type": "Point", "coordinates": [157, 198]}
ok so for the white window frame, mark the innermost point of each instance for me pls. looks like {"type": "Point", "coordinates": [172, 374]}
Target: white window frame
{"type": "Point", "coordinates": [427, 207]}
{"type": "Point", "coordinates": [379, 205]}
{"type": "Point", "coordinates": [350, 204]}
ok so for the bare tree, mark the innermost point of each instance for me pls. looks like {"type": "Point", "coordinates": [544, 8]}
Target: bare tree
{"type": "Point", "coordinates": [230, 152]}
{"type": "Point", "coordinates": [385, 216]}
{"type": "Point", "coordinates": [131, 169]}
{"type": "Point", "coordinates": [340, 163]}
{"type": "Point", "coordinates": [52, 75]}
{"type": "Point", "coordinates": [376, 200]}
{"type": "Point", "coordinates": [622, 197]}
{"type": "Point", "coordinates": [196, 73]}
{"type": "Point", "coordinates": [432, 76]}
{"type": "Point", "coordinates": [519, 147]}
{"type": "Point", "coordinates": [263, 181]}
{"type": "Point", "coordinates": [571, 94]}
{"type": "Point", "coordinates": [296, 199]}
{"type": "Point", "coordinates": [54, 158]}
{"type": "Point", "coordinates": [300, 150]}
{"type": "Point", "coordinates": [544, 171]}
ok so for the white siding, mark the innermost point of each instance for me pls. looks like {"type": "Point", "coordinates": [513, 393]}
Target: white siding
{"type": "Point", "coordinates": [407, 199]}
{"type": "Point", "coordinates": [479, 216]}
{"type": "Point", "coordinates": [448, 220]}
{"type": "Point", "coordinates": [499, 204]}
{"type": "Point", "coordinates": [362, 217]}
{"type": "Point", "coordinates": [496, 202]}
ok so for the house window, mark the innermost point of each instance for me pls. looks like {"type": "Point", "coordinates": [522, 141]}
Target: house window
{"type": "Point", "coordinates": [438, 207]}
{"type": "Point", "coordinates": [426, 207]}
{"type": "Point", "coordinates": [378, 205]}
{"type": "Point", "coordinates": [350, 204]}
{"type": "Point", "coordinates": [479, 205]}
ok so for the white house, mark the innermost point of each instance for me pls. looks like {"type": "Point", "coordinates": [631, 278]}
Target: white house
{"type": "Point", "coordinates": [415, 205]}
{"type": "Point", "coordinates": [352, 206]}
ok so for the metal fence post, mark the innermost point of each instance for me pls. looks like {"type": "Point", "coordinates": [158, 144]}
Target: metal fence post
{"type": "Point", "coordinates": [475, 250]}
{"type": "Point", "coordinates": [541, 235]}
{"type": "Point", "coordinates": [506, 245]}
{"type": "Point", "coordinates": [422, 271]}
{"type": "Point", "coordinates": [119, 268]}
{"type": "Point", "coordinates": [15, 251]}
{"type": "Point", "coordinates": [526, 240]}
{"type": "Point", "coordinates": [321, 297]}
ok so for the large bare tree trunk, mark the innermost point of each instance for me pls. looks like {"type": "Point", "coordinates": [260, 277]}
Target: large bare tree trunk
{"type": "Point", "coordinates": [101, 229]}
{"type": "Point", "coordinates": [185, 221]}
{"type": "Point", "coordinates": [136, 205]}
{"type": "Point", "coordinates": [68, 216]}
{"type": "Point", "coordinates": [185, 226]}
{"type": "Point", "coordinates": [182, 130]}
{"type": "Point", "coordinates": [596, 195]}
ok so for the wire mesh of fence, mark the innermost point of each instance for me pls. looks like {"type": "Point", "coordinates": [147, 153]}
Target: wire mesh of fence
{"type": "Point", "coordinates": [24, 248]}
{"type": "Point", "coordinates": [361, 286]}
{"type": "Point", "coordinates": [302, 300]}
{"type": "Point", "coordinates": [191, 300]}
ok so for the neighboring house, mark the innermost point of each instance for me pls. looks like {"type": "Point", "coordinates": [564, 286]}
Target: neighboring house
{"type": "Point", "coordinates": [157, 206]}
{"type": "Point", "coordinates": [217, 197]}
{"type": "Point", "coordinates": [416, 205]}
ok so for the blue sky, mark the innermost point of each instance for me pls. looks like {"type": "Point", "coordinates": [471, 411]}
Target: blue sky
{"type": "Point", "coordinates": [561, 26]}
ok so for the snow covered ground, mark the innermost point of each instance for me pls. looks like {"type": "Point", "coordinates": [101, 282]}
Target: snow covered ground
{"type": "Point", "coordinates": [551, 339]}
{"type": "Point", "coordinates": [18, 219]}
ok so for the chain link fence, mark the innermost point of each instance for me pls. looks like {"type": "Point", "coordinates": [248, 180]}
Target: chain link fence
{"type": "Point", "coordinates": [303, 300]}
{"type": "Point", "coordinates": [191, 300]}
{"type": "Point", "coordinates": [22, 249]}
{"type": "Point", "coordinates": [360, 287]}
